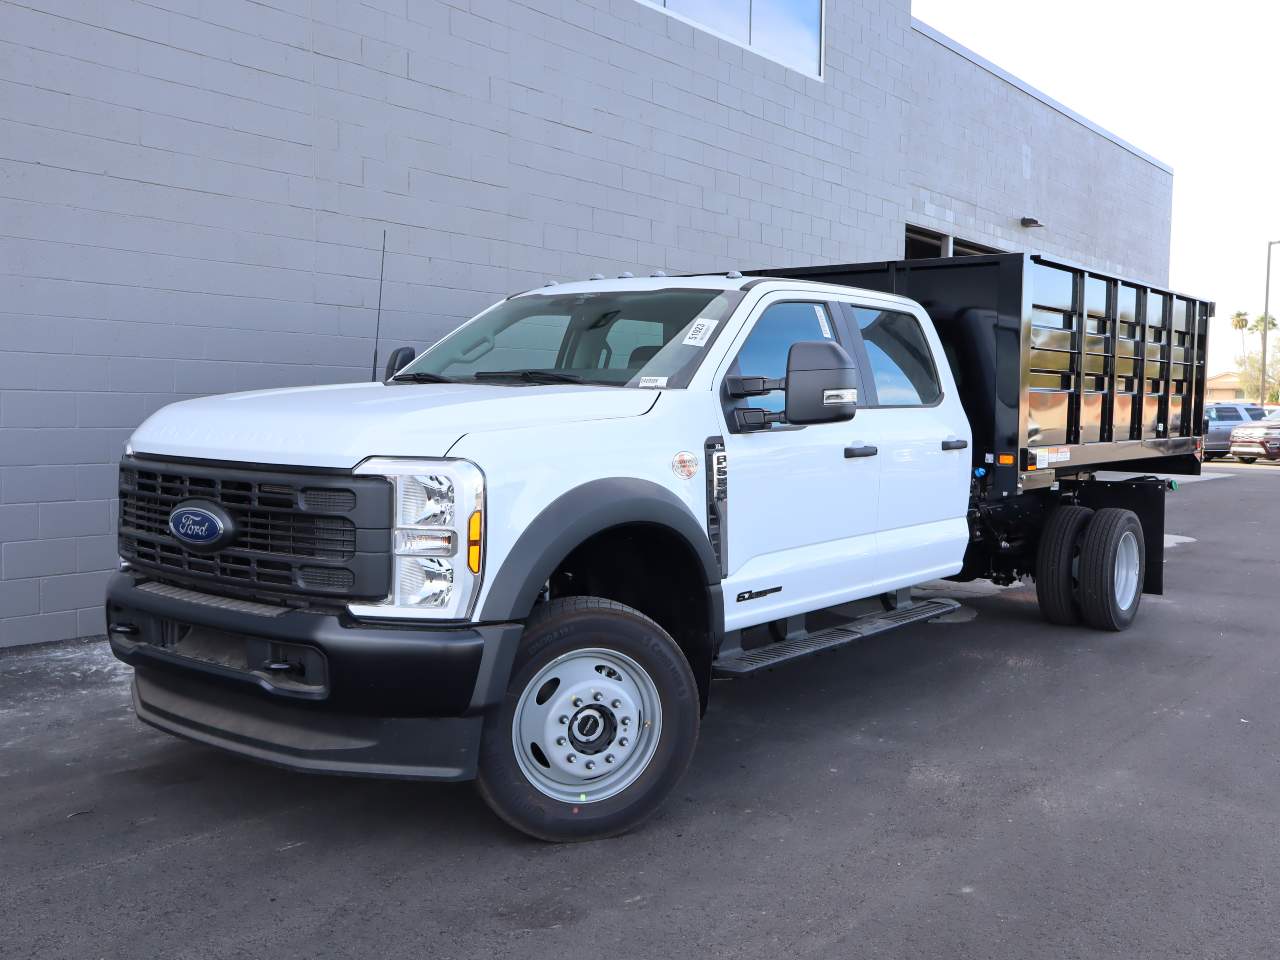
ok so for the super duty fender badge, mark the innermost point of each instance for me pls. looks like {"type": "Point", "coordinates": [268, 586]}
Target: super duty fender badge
{"type": "Point", "coordinates": [757, 594]}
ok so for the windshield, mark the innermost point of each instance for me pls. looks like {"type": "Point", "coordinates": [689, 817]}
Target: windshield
{"type": "Point", "coordinates": [632, 338]}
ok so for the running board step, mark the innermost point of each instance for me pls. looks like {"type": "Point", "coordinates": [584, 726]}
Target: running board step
{"type": "Point", "coordinates": [832, 638]}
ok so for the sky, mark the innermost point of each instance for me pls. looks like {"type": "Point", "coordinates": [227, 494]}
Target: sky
{"type": "Point", "coordinates": [1194, 84]}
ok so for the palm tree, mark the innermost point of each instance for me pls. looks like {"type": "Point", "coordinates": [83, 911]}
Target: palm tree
{"type": "Point", "coordinates": [1240, 321]}
{"type": "Point", "coordinates": [1256, 326]}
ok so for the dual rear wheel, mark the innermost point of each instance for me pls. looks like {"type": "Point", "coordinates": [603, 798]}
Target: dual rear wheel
{"type": "Point", "coordinates": [1090, 567]}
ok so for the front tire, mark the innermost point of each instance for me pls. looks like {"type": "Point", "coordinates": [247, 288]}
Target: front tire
{"type": "Point", "coordinates": [1247, 459]}
{"type": "Point", "coordinates": [1113, 565]}
{"type": "Point", "coordinates": [598, 724]}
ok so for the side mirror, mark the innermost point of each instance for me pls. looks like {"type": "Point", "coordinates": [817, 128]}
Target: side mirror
{"type": "Point", "coordinates": [822, 385]}
{"type": "Point", "coordinates": [400, 358]}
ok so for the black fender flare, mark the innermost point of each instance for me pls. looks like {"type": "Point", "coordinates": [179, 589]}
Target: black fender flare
{"type": "Point", "coordinates": [573, 517]}
{"type": "Point", "coordinates": [563, 524]}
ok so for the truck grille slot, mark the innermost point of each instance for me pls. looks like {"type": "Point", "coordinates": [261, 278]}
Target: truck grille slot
{"type": "Point", "coordinates": [298, 535]}
{"type": "Point", "coordinates": [297, 538]}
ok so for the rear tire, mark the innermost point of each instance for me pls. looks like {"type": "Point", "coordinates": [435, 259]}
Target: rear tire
{"type": "Point", "coordinates": [1247, 459]}
{"type": "Point", "coordinates": [1113, 563]}
{"type": "Point", "coordinates": [1056, 562]}
{"type": "Point", "coordinates": [597, 727]}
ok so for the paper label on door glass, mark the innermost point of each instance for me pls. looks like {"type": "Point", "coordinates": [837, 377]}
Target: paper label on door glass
{"type": "Point", "coordinates": [823, 322]}
{"type": "Point", "coordinates": [654, 383]}
{"type": "Point", "coordinates": [699, 333]}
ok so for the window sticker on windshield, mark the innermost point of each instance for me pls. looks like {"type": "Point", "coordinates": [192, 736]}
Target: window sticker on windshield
{"type": "Point", "coordinates": [699, 333]}
{"type": "Point", "coordinates": [656, 383]}
{"type": "Point", "coordinates": [822, 321]}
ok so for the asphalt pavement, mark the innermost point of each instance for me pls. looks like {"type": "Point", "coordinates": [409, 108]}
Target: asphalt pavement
{"type": "Point", "coordinates": [985, 787]}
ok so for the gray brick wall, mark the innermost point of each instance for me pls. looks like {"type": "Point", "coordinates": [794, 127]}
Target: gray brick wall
{"type": "Point", "coordinates": [193, 197]}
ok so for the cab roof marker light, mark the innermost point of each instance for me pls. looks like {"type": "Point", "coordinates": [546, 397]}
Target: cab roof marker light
{"type": "Point", "coordinates": [626, 275]}
{"type": "Point", "coordinates": [658, 273]}
{"type": "Point", "coordinates": [596, 276]}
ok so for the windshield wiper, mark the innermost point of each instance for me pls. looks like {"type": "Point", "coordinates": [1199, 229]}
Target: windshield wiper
{"type": "Point", "coordinates": [422, 376]}
{"type": "Point", "coordinates": [529, 376]}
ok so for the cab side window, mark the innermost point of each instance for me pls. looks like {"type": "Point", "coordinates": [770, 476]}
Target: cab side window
{"type": "Point", "coordinates": [764, 354]}
{"type": "Point", "coordinates": [901, 363]}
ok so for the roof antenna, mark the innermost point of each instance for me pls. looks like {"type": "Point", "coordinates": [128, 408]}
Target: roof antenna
{"type": "Point", "coordinates": [377, 330]}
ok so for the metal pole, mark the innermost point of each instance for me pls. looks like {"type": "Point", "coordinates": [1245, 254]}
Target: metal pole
{"type": "Point", "coordinates": [1266, 313]}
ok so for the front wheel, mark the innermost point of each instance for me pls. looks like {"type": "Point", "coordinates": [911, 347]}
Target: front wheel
{"type": "Point", "coordinates": [1247, 459]}
{"type": "Point", "coordinates": [598, 725]}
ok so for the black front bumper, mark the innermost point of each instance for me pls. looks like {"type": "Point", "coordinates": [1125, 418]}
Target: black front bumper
{"type": "Point", "coordinates": [317, 692]}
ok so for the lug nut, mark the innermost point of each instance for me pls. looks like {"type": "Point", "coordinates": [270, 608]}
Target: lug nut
{"type": "Point", "coordinates": [571, 758]}
{"type": "Point", "coordinates": [577, 701]}
{"type": "Point", "coordinates": [616, 704]}
{"type": "Point", "coordinates": [608, 758]}
{"type": "Point", "coordinates": [597, 696]}
{"type": "Point", "coordinates": [623, 742]}
{"type": "Point", "coordinates": [560, 741]}
{"type": "Point", "coordinates": [564, 719]}
{"type": "Point", "coordinates": [591, 764]}
{"type": "Point", "coordinates": [626, 721]}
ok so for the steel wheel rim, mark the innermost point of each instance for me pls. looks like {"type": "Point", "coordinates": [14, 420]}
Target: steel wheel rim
{"type": "Point", "coordinates": [1126, 573]}
{"type": "Point", "coordinates": [602, 710]}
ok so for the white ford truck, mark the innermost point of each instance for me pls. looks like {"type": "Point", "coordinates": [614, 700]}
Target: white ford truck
{"type": "Point", "coordinates": [525, 555]}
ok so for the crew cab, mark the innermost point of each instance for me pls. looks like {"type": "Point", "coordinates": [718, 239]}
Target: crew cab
{"type": "Point", "coordinates": [524, 555]}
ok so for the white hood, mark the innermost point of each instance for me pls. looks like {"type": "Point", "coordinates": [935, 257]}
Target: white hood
{"type": "Point", "coordinates": [340, 425]}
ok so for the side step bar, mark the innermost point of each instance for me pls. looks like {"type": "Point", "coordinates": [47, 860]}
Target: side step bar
{"type": "Point", "coordinates": [773, 654]}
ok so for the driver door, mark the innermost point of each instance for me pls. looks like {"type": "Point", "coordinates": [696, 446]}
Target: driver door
{"type": "Point", "coordinates": [802, 500]}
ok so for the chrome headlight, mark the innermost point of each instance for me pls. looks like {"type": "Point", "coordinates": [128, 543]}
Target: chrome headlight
{"type": "Point", "coordinates": [437, 540]}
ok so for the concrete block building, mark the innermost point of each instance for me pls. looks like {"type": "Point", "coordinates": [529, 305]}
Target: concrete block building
{"type": "Point", "coordinates": [194, 195]}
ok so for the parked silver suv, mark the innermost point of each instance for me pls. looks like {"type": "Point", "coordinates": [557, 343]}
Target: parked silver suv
{"type": "Point", "coordinates": [1220, 419]}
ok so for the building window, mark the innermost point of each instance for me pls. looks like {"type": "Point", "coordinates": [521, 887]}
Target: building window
{"type": "Point", "coordinates": [963, 248]}
{"type": "Point", "coordinates": [788, 31]}
{"type": "Point", "coordinates": [922, 244]}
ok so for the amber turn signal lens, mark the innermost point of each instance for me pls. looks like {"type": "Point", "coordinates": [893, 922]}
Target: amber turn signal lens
{"type": "Point", "coordinates": [473, 542]}
{"type": "Point", "coordinates": [1006, 459]}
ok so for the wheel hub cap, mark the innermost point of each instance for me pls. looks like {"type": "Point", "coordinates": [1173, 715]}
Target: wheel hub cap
{"type": "Point", "coordinates": [1126, 572]}
{"type": "Point", "coordinates": [586, 725]}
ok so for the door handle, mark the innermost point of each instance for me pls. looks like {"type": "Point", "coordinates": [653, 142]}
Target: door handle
{"type": "Point", "coordinates": [954, 444]}
{"type": "Point", "coordinates": [851, 453]}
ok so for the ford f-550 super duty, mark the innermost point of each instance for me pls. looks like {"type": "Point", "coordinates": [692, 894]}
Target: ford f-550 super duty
{"type": "Point", "coordinates": [524, 556]}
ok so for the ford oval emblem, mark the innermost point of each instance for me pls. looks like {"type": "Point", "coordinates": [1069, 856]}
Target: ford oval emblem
{"type": "Point", "coordinates": [196, 525]}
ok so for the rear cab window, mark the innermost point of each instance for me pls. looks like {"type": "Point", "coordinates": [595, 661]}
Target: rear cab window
{"type": "Point", "coordinates": [902, 366]}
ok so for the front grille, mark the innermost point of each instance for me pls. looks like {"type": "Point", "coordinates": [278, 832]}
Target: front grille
{"type": "Point", "coordinates": [302, 537]}
{"type": "Point", "coordinates": [265, 531]}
